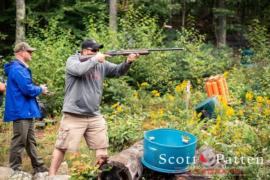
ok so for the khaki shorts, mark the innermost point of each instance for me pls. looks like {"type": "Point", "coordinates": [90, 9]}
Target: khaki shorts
{"type": "Point", "coordinates": [73, 127]}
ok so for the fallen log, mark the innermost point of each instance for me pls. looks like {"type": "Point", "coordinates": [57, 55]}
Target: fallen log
{"type": "Point", "coordinates": [127, 165]}
{"type": "Point", "coordinates": [124, 166]}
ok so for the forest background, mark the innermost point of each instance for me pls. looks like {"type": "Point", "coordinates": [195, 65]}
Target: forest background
{"type": "Point", "coordinates": [216, 35]}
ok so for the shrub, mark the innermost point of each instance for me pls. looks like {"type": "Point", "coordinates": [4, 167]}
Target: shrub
{"type": "Point", "coordinates": [54, 46]}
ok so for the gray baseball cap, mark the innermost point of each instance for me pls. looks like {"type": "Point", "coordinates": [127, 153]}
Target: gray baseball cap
{"type": "Point", "coordinates": [23, 46]}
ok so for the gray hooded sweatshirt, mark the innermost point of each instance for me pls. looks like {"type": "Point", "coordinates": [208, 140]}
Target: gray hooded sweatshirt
{"type": "Point", "coordinates": [84, 83]}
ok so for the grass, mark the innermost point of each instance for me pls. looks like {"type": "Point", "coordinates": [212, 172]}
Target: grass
{"type": "Point", "coordinates": [45, 144]}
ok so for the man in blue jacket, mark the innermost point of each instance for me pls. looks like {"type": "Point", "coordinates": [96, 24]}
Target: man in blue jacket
{"type": "Point", "coordinates": [21, 108]}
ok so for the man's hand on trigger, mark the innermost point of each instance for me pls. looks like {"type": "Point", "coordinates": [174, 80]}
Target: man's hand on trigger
{"type": "Point", "coordinates": [132, 57]}
{"type": "Point", "coordinates": [44, 88]}
{"type": "Point", "coordinates": [101, 57]}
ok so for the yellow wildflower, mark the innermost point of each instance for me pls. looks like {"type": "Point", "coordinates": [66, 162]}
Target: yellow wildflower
{"type": "Point", "coordinates": [144, 85]}
{"type": "Point", "coordinates": [136, 94]}
{"type": "Point", "coordinates": [267, 101]}
{"type": "Point", "coordinates": [259, 99]}
{"type": "Point", "coordinates": [225, 74]}
{"type": "Point", "coordinates": [199, 114]}
{"type": "Point", "coordinates": [178, 88]}
{"type": "Point", "coordinates": [229, 111]}
{"type": "Point", "coordinates": [153, 115]}
{"type": "Point", "coordinates": [161, 112]}
{"type": "Point", "coordinates": [170, 97]}
{"type": "Point", "coordinates": [249, 96]}
{"type": "Point", "coordinates": [181, 87]}
{"type": "Point", "coordinates": [119, 109]}
{"type": "Point", "coordinates": [115, 105]}
{"type": "Point", "coordinates": [184, 84]}
{"type": "Point", "coordinates": [155, 93]}
{"type": "Point", "coordinates": [241, 112]}
{"type": "Point", "coordinates": [266, 112]}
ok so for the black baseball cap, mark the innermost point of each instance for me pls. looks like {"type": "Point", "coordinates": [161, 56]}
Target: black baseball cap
{"type": "Point", "coordinates": [91, 44]}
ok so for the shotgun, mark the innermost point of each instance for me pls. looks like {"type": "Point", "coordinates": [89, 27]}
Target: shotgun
{"type": "Point", "coordinates": [133, 51]}
{"type": "Point", "coordinates": [140, 51]}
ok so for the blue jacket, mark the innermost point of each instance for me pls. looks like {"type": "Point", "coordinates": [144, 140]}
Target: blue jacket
{"type": "Point", "coordinates": [21, 93]}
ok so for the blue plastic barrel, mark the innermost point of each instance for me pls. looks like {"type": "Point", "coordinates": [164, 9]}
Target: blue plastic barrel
{"type": "Point", "coordinates": [168, 150]}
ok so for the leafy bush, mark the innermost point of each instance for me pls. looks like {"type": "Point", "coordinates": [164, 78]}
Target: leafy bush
{"type": "Point", "coordinates": [258, 39]}
{"type": "Point", "coordinates": [200, 59]}
{"type": "Point", "coordinates": [256, 77]}
{"type": "Point", "coordinates": [48, 67]}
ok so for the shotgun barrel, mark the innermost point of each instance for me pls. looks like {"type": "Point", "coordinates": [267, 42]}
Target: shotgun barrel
{"type": "Point", "coordinates": [140, 51]}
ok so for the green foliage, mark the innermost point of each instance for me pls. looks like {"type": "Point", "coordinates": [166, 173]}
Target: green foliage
{"type": "Point", "coordinates": [162, 8]}
{"type": "Point", "coordinates": [116, 90]}
{"type": "Point", "coordinates": [54, 45]}
{"type": "Point", "coordinates": [200, 59]}
{"type": "Point", "coordinates": [123, 130]}
{"type": "Point", "coordinates": [73, 13]}
{"type": "Point", "coordinates": [258, 38]}
{"type": "Point", "coordinates": [2, 36]}
{"type": "Point", "coordinates": [256, 75]}
{"type": "Point", "coordinates": [153, 94]}
{"type": "Point", "coordinates": [81, 168]}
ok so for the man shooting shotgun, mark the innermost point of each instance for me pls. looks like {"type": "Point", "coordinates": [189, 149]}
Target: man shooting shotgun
{"type": "Point", "coordinates": [83, 93]}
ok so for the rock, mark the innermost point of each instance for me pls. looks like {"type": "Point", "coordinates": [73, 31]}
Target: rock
{"type": "Point", "coordinates": [207, 158]}
{"type": "Point", "coordinates": [58, 177]}
{"type": "Point", "coordinates": [20, 175]}
{"type": "Point", "coordinates": [41, 176]}
{"type": "Point", "coordinates": [5, 173]}
{"type": "Point", "coordinates": [63, 169]}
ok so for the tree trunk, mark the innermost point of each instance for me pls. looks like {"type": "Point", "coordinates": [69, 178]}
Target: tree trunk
{"type": "Point", "coordinates": [183, 13]}
{"type": "Point", "coordinates": [113, 15]}
{"type": "Point", "coordinates": [220, 25]}
{"type": "Point", "coordinates": [20, 17]}
{"type": "Point", "coordinates": [2, 6]}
